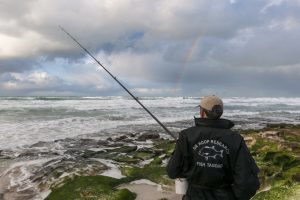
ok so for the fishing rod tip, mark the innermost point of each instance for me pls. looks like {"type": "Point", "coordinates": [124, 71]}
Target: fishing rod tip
{"type": "Point", "coordinates": [60, 27]}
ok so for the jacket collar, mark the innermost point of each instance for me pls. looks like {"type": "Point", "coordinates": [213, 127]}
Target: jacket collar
{"type": "Point", "coordinates": [215, 123]}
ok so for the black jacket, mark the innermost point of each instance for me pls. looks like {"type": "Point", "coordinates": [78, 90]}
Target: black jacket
{"type": "Point", "coordinates": [216, 162]}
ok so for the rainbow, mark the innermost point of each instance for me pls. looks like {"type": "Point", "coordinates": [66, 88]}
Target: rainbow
{"type": "Point", "coordinates": [188, 58]}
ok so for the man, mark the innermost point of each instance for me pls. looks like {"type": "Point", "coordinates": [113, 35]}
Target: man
{"type": "Point", "coordinates": [214, 159]}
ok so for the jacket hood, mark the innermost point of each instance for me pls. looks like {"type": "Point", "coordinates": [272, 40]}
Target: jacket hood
{"type": "Point", "coordinates": [215, 123]}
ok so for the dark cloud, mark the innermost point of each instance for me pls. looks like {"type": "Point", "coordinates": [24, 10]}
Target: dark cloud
{"type": "Point", "coordinates": [195, 47]}
{"type": "Point", "coordinates": [16, 65]}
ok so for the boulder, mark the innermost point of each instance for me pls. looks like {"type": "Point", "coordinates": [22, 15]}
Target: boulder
{"type": "Point", "coordinates": [87, 142]}
{"type": "Point", "coordinates": [148, 136]}
{"type": "Point", "coordinates": [40, 144]}
{"type": "Point", "coordinates": [102, 142]}
{"type": "Point", "coordinates": [124, 149]}
{"type": "Point", "coordinates": [121, 138]}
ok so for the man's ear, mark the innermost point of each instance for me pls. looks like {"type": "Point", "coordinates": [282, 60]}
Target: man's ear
{"type": "Point", "coordinates": [202, 113]}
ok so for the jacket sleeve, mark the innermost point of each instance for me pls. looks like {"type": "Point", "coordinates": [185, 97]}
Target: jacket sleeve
{"type": "Point", "coordinates": [176, 162]}
{"type": "Point", "coordinates": [245, 174]}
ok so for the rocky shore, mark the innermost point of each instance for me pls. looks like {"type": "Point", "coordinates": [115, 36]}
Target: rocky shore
{"type": "Point", "coordinates": [132, 166]}
{"type": "Point", "coordinates": [276, 150]}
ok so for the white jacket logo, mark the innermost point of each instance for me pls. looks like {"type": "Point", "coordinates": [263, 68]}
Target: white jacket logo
{"type": "Point", "coordinates": [210, 152]}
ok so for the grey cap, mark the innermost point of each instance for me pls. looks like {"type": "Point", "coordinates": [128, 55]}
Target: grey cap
{"type": "Point", "coordinates": [209, 102]}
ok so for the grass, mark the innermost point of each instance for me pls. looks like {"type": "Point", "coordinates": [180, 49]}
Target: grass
{"type": "Point", "coordinates": [279, 163]}
{"type": "Point", "coordinates": [282, 193]}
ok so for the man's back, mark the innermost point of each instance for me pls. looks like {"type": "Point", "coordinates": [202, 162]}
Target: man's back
{"type": "Point", "coordinates": [215, 161]}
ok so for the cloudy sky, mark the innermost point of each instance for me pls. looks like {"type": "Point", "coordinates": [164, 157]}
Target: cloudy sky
{"type": "Point", "coordinates": [156, 48]}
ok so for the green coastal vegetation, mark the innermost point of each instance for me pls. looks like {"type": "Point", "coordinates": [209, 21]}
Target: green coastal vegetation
{"type": "Point", "coordinates": [91, 187]}
{"type": "Point", "coordinates": [275, 148]}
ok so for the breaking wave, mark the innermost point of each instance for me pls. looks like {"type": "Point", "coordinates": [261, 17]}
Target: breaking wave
{"type": "Point", "coordinates": [32, 119]}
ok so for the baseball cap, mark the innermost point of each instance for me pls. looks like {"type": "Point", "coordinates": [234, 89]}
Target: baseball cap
{"type": "Point", "coordinates": [208, 102]}
{"type": "Point", "coordinates": [213, 106]}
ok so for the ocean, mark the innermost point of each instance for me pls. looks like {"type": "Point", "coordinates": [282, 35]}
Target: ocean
{"type": "Point", "coordinates": [28, 120]}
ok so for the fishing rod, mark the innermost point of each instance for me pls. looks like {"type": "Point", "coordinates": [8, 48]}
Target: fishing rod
{"type": "Point", "coordinates": [115, 78]}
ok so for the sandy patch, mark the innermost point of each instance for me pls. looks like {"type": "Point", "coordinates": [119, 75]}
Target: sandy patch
{"type": "Point", "coordinates": [147, 190]}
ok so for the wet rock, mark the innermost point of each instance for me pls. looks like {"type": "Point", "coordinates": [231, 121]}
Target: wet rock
{"type": "Point", "coordinates": [35, 153]}
{"type": "Point", "coordinates": [125, 149]}
{"type": "Point", "coordinates": [102, 142]}
{"type": "Point", "coordinates": [145, 149]}
{"type": "Point", "coordinates": [276, 152]}
{"type": "Point", "coordinates": [148, 136]}
{"type": "Point", "coordinates": [21, 195]}
{"type": "Point", "coordinates": [126, 159]}
{"type": "Point", "coordinates": [121, 138]}
{"type": "Point", "coordinates": [66, 140]}
{"type": "Point", "coordinates": [165, 147]}
{"type": "Point", "coordinates": [144, 155]}
{"type": "Point", "coordinates": [74, 152]}
{"type": "Point", "coordinates": [51, 171]}
{"type": "Point", "coordinates": [280, 125]}
{"type": "Point", "coordinates": [92, 154]}
{"type": "Point", "coordinates": [88, 142]}
{"type": "Point", "coordinates": [296, 177]}
{"type": "Point", "coordinates": [28, 154]}
{"type": "Point", "coordinates": [40, 144]}
{"type": "Point", "coordinates": [5, 155]}
{"type": "Point", "coordinates": [153, 150]}
{"type": "Point", "coordinates": [132, 135]}
{"type": "Point", "coordinates": [114, 144]}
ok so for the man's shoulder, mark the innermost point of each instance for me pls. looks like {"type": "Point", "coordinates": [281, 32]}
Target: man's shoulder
{"type": "Point", "coordinates": [190, 130]}
{"type": "Point", "coordinates": [209, 128]}
{"type": "Point", "coordinates": [226, 133]}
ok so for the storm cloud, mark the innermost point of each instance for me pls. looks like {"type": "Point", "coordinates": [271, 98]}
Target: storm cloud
{"type": "Point", "coordinates": [157, 48]}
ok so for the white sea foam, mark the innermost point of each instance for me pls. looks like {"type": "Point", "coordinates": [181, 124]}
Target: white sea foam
{"type": "Point", "coordinates": [114, 170]}
{"type": "Point", "coordinates": [262, 101]}
{"type": "Point", "coordinates": [19, 174]}
{"type": "Point", "coordinates": [27, 120]}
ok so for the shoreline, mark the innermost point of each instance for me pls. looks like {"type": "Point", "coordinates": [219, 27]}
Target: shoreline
{"type": "Point", "coordinates": [137, 154]}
